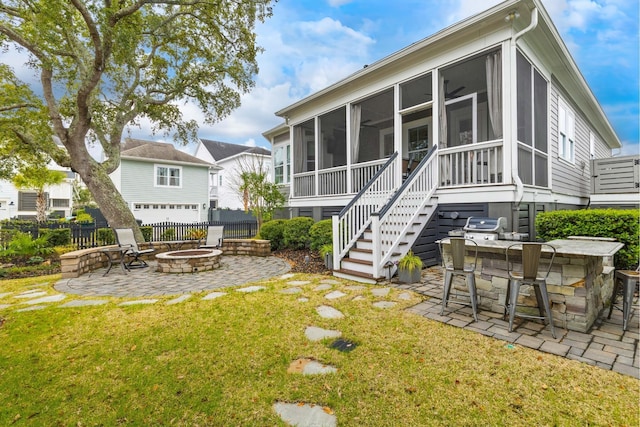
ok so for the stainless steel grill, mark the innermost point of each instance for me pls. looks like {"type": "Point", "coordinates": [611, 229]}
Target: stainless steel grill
{"type": "Point", "coordinates": [482, 228]}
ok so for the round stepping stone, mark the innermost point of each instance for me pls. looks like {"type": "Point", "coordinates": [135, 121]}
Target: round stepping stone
{"type": "Point", "coordinates": [380, 292]}
{"type": "Point", "coordinates": [405, 296]}
{"type": "Point", "coordinates": [328, 312]}
{"type": "Point", "coordinates": [313, 333]}
{"type": "Point", "coordinates": [213, 295]}
{"type": "Point", "coordinates": [290, 291]}
{"type": "Point", "coordinates": [5, 294]}
{"type": "Point", "coordinates": [358, 298]}
{"type": "Point", "coordinates": [330, 282]}
{"type": "Point", "coordinates": [384, 304]}
{"type": "Point", "coordinates": [48, 298]}
{"type": "Point", "coordinates": [250, 289]}
{"type": "Point", "coordinates": [305, 414]}
{"type": "Point", "coordinates": [178, 300]}
{"type": "Point", "coordinates": [303, 299]}
{"type": "Point", "coordinates": [335, 295]}
{"type": "Point", "coordinates": [139, 301]}
{"type": "Point", "coordinates": [298, 282]}
{"type": "Point", "coordinates": [324, 287]}
{"type": "Point", "coordinates": [287, 276]}
{"type": "Point", "coordinates": [83, 303]}
{"type": "Point", "coordinates": [355, 288]}
{"type": "Point", "coordinates": [310, 367]}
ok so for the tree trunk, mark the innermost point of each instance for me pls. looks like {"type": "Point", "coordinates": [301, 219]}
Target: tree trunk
{"type": "Point", "coordinates": [41, 206]}
{"type": "Point", "coordinates": [106, 195]}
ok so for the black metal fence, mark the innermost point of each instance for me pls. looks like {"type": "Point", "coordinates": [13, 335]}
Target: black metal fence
{"type": "Point", "coordinates": [88, 235]}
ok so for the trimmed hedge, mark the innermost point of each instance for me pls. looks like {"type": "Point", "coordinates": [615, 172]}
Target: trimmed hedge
{"type": "Point", "coordinates": [321, 233]}
{"type": "Point", "coordinates": [57, 236]}
{"type": "Point", "coordinates": [296, 232]}
{"type": "Point", "coordinates": [620, 224]}
{"type": "Point", "coordinates": [274, 232]}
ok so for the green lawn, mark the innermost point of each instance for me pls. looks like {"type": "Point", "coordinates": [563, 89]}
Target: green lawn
{"type": "Point", "coordinates": [224, 363]}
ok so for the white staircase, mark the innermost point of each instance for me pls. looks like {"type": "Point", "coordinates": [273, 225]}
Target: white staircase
{"type": "Point", "coordinates": [383, 222]}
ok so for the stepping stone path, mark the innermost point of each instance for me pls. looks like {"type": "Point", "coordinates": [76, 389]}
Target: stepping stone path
{"type": "Point", "coordinates": [301, 414]}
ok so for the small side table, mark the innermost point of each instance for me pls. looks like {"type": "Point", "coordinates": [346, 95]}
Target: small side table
{"type": "Point", "coordinates": [628, 279]}
{"type": "Point", "coordinates": [115, 254]}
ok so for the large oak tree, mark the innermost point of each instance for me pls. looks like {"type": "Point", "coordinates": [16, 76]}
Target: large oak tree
{"type": "Point", "coordinates": [104, 65]}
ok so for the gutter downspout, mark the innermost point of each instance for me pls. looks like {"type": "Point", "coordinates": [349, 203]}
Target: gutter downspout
{"type": "Point", "coordinates": [514, 164]}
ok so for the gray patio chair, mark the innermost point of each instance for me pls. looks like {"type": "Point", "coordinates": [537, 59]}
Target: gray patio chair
{"type": "Point", "coordinates": [453, 263]}
{"type": "Point", "coordinates": [126, 239]}
{"type": "Point", "coordinates": [523, 266]}
{"type": "Point", "coordinates": [215, 237]}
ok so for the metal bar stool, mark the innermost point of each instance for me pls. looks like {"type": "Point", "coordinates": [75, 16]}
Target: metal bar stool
{"type": "Point", "coordinates": [528, 274]}
{"type": "Point", "coordinates": [627, 279]}
{"type": "Point", "coordinates": [454, 265]}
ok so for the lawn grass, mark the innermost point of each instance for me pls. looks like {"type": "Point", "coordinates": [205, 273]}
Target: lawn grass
{"type": "Point", "coordinates": [224, 362]}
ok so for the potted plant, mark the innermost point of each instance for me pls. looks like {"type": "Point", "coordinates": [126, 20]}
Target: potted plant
{"type": "Point", "coordinates": [409, 268]}
{"type": "Point", "coordinates": [326, 252]}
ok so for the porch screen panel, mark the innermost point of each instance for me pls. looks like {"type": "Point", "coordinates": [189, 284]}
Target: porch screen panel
{"type": "Point", "coordinates": [415, 92]}
{"type": "Point", "coordinates": [540, 112]}
{"type": "Point", "coordinates": [376, 119]}
{"type": "Point", "coordinates": [304, 147]}
{"type": "Point", "coordinates": [524, 166]}
{"type": "Point", "coordinates": [333, 139]}
{"type": "Point", "coordinates": [541, 170]}
{"type": "Point", "coordinates": [525, 129]}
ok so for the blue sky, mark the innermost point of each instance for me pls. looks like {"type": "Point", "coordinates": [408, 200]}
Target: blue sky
{"type": "Point", "coordinates": [310, 44]}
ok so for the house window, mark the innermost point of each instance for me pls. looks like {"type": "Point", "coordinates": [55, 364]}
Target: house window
{"type": "Point", "coordinates": [418, 138]}
{"type": "Point", "coordinates": [168, 176]}
{"type": "Point", "coordinates": [533, 147]}
{"type": "Point", "coordinates": [59, 203]}
{"type": "Point", "coordinates": [282, 162]}
{"type": "Point", "coordinates": [26, 201]}
{"type": "Point", "coordinates": [566, 132]}
{"type": "Point", "coordinates": [332, 144]}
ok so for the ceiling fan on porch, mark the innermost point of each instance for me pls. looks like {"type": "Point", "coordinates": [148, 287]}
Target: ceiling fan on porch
{"type": "Point", "coordinates": [449, 94]}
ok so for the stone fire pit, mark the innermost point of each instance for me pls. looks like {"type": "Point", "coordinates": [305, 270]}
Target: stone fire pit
{"type": "Point", "coordinates": [188, 261]}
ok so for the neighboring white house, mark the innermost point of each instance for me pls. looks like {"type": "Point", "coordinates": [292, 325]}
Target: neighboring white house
{"type": "Point", "coordinates": [232, 159]}
{"type": "Point", "coordinates": [15, 203]}
{"type": "Point", "coordinates": [488, 117]}
{"type": "Point", "coordinates": [161, 183]}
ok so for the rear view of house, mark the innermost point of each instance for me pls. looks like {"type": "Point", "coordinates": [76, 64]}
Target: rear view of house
{"type": "Point", "coordinates": [489, 117]}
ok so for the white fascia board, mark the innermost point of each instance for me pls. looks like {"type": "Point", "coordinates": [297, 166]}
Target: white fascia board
{"type": "Point", "coordinates": [167, 162]}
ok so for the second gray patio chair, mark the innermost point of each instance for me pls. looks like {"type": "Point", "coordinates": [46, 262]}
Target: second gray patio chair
{"type": "Point", "coordinates": [126, 240]}
{"type": "Point", "coordinates": [453, 251]}
{"type": "Point", "coordinates": [215, 237]}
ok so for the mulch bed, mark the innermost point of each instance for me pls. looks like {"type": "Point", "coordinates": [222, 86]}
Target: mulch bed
{"type": "Point", "coordinates": [303, 261]}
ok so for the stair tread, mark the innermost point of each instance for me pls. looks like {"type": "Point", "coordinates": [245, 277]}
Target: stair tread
{"type": "Point", "coordinates": [366, 251]}
{"type": "Point", "coordinates": [357, 261]}
{"type": "Point", "coordinates": [355, 273]}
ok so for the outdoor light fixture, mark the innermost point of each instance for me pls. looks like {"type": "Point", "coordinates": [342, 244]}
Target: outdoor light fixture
{"type": "Point", "coordinates": [513, 15]}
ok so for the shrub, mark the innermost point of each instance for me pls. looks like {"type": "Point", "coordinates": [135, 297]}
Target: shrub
{"type": "Point", "coordinates": [105, 236]}
{"type": "Point", "coordinates": [168, 234]}
{"type": "Point", "coordinates": [326, 249]}
{"type": "Point", "coordinates": [24, 246]}
{"type": "Point", "coordinates": [57, 236]}
{"type": "Point", "coordinates": [321, 233]}
{"type": "Point", "coordinates": [296, 232]}
{"type": "Point", "coordinates": [147, 233]}
{"type": "Point", "coordinates": [59, 250]}
{"type": "Point", "coordinates": [274, 232]}
{"type": "Point", "coordinates": [196, 234]}
{"type": "Point", "coordinates": [622, 225]}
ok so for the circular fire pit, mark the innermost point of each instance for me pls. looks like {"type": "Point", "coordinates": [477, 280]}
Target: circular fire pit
{"type": "Point", "coordinates": [188, 261]}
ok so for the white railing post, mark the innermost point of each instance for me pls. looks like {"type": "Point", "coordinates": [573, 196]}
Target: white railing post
{"type": "Point", "coordinates": [376, 246]}
{"type": "Point", "coordinates": [335, 252]}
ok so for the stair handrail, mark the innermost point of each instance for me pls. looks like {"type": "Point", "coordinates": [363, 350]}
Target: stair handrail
{"type": "Point", "coordinates": [396, 217]}
{"type": "Point", "coordinates": [355, 217]}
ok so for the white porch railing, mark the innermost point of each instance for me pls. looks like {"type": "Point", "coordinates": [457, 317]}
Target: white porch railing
{"type": "Point", "coordinates": [475, 164]}
{"type": "Point", "coordinates": [332, 181]}
{"type": "Point", "coordinates": [361, 173]}
{"type": "Point", "coordinates": [391, 226]}
{"type": "Point", "coordinates": [304, 184]}
{"type": "Point", "coordinates": [356, 216]}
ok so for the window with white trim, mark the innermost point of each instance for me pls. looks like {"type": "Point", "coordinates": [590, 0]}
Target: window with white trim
{"type": "Point", "coordinates": [168, 176]}
{"type": "Point", "coordinates": [566, 132]}
{"type": "Point", "coordinates": [282, 160]}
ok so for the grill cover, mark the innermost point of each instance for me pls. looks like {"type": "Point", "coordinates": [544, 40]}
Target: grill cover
{"type": "Point", "coordinates": [478, 224]}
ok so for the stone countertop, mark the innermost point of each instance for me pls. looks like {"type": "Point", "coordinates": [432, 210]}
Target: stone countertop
{"type": "Point", "coordinates": [563, 247]}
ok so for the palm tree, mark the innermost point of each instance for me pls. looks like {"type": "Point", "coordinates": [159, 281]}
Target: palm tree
{"type": "Point", "coordinates": [36, 178]}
